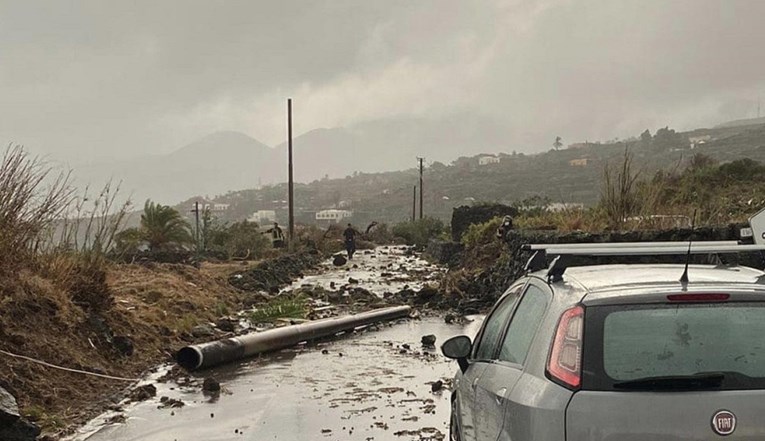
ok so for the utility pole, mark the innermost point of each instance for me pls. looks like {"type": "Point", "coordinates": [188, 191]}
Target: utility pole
{"type": "Point", "coordinates": [420, 159]}
{"type": "Point", "coordinates": [196, 216]}
{"type": "Point", "coordinates": [414, 202]}
{"type": "Point", "coordinates": [290, 183]}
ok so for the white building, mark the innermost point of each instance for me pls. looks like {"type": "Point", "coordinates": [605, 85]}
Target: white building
{"type": "Point", "coordinates": [332, 216]}
{"type": "Point", "coordinates": [263, 217]}
{"type": "Point", "coordinates": [485, 160]}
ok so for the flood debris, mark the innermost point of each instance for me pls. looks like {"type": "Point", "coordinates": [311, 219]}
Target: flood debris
{"type": "Point", "coordinates": [429, 341]}
{"type": "Point", "coordinates": [167, 402]}
{"type": "Point", "coordinates": [211, 385]}
{"type": "Point", "coordinates": [143, 393]}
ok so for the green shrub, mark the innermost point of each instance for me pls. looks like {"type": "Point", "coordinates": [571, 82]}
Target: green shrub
{"type": "Point", "coordinates": [419, 232]}
{"type": "Point", "coordinates": [280, 308]}
{"type": "Point", "coordinates": [479, 234]}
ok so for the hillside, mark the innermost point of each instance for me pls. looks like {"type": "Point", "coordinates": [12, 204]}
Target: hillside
{"type": "Point", "coordinates": [226, 161]}
{"type": "Point", "coordinates": [388, 196]}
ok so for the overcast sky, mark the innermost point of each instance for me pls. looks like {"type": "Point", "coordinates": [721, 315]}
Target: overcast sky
{"type": "Point", "coordinates": [86, 80]}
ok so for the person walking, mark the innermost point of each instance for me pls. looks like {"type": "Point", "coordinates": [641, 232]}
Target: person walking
{"type": "Point", "coordinates": [350, 240]}
{"type": "Point", "coordinates": [277, 236]}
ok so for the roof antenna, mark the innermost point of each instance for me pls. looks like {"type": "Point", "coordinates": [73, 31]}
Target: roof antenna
{"type": "Point", "coordinates": [684, 277]}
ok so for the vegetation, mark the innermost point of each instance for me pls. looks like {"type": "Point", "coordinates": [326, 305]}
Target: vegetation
{"type": "Point", "coordinates": [295, 308]}
{"type": "Point", "coordinates": [162, 228]}
{"type": "Point", "coordinates": [419, 232]}
{"type": "Point", "coordinates": [480, 234]}
{"type": "Point", "coordinates": [241, 240]}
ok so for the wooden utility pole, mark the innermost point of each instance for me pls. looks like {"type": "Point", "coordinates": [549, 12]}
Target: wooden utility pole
{"type": "Point", "coordinates": [196, 231]}
{"type": "Point", "coordinates": [420, 159]}
{"type": "Point", "coordinates": [290, 183]}
{"type": "Point", "coordinates": [414, 202]}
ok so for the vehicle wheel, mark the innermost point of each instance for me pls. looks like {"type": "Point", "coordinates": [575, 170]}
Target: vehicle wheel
{"type": "Point", "coordinates": [454, 433]}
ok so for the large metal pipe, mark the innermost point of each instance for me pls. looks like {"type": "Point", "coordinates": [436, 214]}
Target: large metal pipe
{"type": "Point", "coordinates": [225, 351]}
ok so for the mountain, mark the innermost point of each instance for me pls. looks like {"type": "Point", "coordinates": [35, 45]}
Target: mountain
{"type": "Point", "coordinates": [215, 164]}
{"type": "Point", "coordinates": [741, 123]}
{"type": "Point", "coordinates": [393, 144]}
{"type": "Point", "coordinates": [228, 161]}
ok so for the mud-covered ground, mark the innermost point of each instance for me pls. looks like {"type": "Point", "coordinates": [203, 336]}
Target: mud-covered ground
{"type": "Point", "coordinates": [375, 384]}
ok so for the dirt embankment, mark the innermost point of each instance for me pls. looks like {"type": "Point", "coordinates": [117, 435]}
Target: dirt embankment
{"type": "Point", "coordinates": [154, 310]}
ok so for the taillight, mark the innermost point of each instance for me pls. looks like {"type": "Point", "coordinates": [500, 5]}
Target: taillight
{"type": "Point", "coordinates": [565, 362]}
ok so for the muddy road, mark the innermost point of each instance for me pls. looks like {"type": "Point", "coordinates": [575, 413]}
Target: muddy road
{"type": "Point", "coordinates": [375, 384]}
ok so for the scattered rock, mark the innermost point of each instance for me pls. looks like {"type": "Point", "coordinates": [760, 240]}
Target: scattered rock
{"type": "Point", "coordinates": [142, 393]}
{"type": "Point", "coordinates": [406, 346]}
{"type": "Point", "coordinates": [226, 324]}
{"type": "Point", "coordinates": [352, 281]}
{"type": "Point", "coordinates": [166, 402]}
{"type": "Point", "coordinates": [202, 331]}
{"type": "Point", "coordinates": [429, 340]}
{"type": "Point", "coordinates": [449, 319]}
{"type": "Point", "coordinates": [339, 260]}
{"type": "Point", "coordinates": [211, 385]}
{"type": "Point", "coordinates": [332, 285]}
{"type": "Point", "coordinates": [123, 345]}
{"type": "Point", "coordinates": [324, 351]}
{"type": "Point", "coordinates": [437, 386]}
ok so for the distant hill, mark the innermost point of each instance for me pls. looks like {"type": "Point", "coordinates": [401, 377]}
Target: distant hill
{"type": "Point", "coordinates": [215, 164]}
{"type": "Point", "coordinates": [570, 175]}
{"type": "Point", "coordinates": [229, 161]}
{"type": "Point", "coordinates": [742, 123]}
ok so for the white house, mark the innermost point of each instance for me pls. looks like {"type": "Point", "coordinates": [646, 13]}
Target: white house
{"type": "Point", "coordinates": [263, 217]}
{"type": "Point", "coordinates": [485, 160]}
{"type": "Point", "coordinates": [333, 216]}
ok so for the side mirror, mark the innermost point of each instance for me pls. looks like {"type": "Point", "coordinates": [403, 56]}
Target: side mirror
{"type": "Point", "coordinates": [458, 348]}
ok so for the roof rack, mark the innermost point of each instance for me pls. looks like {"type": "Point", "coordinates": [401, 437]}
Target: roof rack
{"type": "Point", "coordinates": [562, 254]}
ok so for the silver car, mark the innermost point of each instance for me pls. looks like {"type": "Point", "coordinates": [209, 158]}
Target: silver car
{"type": "Point", "coordinates": [617, 352]}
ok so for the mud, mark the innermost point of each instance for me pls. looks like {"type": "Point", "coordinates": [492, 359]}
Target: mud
{"type": "Point", "coordinates": [366, 386]}
{"type": "Point", "coordinates": [378, 383]}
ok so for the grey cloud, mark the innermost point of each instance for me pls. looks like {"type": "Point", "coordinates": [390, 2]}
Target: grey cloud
{"type": "Point", "coordinates": [82, 80]}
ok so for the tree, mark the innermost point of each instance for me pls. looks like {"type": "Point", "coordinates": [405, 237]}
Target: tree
{"type": "Point", "coordinates": [646, 137]}
{"type": "Point", "coordinates": [558, 143]}
{"type": "Point", "coordinates": [162, 226]}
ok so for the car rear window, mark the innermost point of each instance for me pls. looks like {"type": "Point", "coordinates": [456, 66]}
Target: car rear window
{"type": "Point", "coordinates": [629, 343]}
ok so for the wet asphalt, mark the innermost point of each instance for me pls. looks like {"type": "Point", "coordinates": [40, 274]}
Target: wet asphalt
{"type": "Point", "coordinates": [376, 384]}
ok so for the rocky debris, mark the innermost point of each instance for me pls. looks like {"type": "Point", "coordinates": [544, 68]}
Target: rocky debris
{"type": "Point", "coordinates": [353, 281]}
{"type": "Point", "coordinates": [227, 324]}
{"type": "Point", "coordinates": [256, 298]}
{"type": "Point", "coordinates": [272, 275]}
{"type": "Point", "coordinates": [339, 260]}
{"type": "Point", "coordinates": [429, 341]}
{"type": "Point", "coordinates": [167, 402]}
{"type": "Point", "coordinates": [142, 393]}
{"type": "Point", "coordinates": [200, 331]}
{"type": "Point", "coordinates": [449, 319]}
{"type": "Point", "coordinates": [211, 385]}
{"type": "Point", "coordinates": [436, 386]}
{"type": "Point", "coordinates": [12, 426]}
{"type": "Point", "coordinates": [123, 345]}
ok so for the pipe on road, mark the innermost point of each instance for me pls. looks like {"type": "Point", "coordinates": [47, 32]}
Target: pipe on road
{"type": "Point", "coordinates": [231, 349]}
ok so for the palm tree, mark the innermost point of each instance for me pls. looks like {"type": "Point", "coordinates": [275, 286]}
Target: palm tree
{"type": "Point", "coordinates": [162, 225]}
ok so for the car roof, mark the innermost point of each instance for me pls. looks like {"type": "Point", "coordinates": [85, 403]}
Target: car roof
{"type": "Point", "coordinates": [633, 277]}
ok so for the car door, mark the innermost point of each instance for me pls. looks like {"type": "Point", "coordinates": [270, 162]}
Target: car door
{"type": "Point", "coordinates": [502, 374]}
{"type": "Point", "coordinates": [485, 347]}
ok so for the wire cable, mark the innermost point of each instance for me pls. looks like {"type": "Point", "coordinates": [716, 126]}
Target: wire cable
{"type": "Point", "coordinates": [77, 371]}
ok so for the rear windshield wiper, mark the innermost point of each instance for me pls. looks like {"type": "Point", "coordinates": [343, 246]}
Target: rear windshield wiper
{"type": "Point", "coordinates": [674, 382]}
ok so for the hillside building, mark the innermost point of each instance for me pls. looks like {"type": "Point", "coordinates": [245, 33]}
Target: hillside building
{"type": "Point", "coordinates": [582, 162]}
{"type": "Point", "coordinates": [263, 217]}
{"type": "Point", "coordinates": [486, 160]}
{"type": "Point", "coordinates": [333, 216]}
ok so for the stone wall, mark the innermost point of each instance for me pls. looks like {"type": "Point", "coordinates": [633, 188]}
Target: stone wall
{"type": "Point", "coordinates": [464, 216]}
